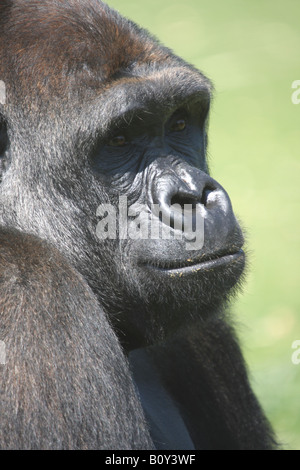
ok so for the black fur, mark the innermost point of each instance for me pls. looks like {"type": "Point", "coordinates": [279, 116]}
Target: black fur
{"type": "Point", "coordinates": [72, 306]}
{"type": "Point", "coordinates": [66, 383]}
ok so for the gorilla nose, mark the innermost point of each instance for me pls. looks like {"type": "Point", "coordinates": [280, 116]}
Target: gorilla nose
{"type": "Point", "coordinates": [178, 197]}
{"type": "Point", "coordinates": [175, 201]}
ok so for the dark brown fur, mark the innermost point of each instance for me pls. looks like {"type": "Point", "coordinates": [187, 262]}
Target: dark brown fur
{"type": "Point", "coordinates": [56, 45]}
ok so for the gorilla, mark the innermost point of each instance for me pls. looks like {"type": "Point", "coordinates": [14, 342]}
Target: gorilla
{"type": "Point", "coordinates": [113, 339]}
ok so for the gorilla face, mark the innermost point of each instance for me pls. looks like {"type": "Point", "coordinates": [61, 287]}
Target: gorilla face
{"type": "Point", "coordinates": [153, 158]}
{"type": "Point", "coordinates": [116, 176]}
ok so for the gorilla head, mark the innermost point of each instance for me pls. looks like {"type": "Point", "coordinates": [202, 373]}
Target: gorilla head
{"type": "Point", "coordinates": [98, 112]}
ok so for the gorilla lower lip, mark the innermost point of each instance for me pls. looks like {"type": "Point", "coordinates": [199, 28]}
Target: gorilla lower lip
{"type": "Point", "coordinates": [200, 266]}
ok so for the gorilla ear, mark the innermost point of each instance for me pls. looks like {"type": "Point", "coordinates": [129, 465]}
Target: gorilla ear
{"type": "Point", "coordinates": [4, 145]}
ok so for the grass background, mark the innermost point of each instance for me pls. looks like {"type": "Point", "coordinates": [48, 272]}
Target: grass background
{"type": "Point", "coordinates": [250, 50]}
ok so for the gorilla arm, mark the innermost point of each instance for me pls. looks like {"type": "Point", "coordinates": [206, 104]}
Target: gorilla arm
{"type": "Point", "coordinates": [65, 384]}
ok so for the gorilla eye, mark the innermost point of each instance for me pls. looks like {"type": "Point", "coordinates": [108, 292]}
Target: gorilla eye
{"type": "Point", "coordinates": [117, 141]}
{"type": "Point", "coordinates": [179, 125]}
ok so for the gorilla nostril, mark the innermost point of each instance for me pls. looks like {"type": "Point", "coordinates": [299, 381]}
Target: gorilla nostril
{"type": "Point", "coordinates": [205, 194]}
{"type": "Point", "coordinates": [181, 201]}
{"type": "Point", "coordinates": [192, 198]}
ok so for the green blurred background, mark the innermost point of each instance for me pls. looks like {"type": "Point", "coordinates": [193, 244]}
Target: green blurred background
{"type": "Point", "coordinates": [251, 50]}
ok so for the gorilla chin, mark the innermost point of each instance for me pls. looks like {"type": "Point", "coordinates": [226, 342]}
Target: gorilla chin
{"type": "Point", "coordinates": [170, 295]}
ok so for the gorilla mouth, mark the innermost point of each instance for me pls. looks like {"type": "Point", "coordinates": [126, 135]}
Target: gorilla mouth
{"type": "Point", "coordinates": [192, 266]}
